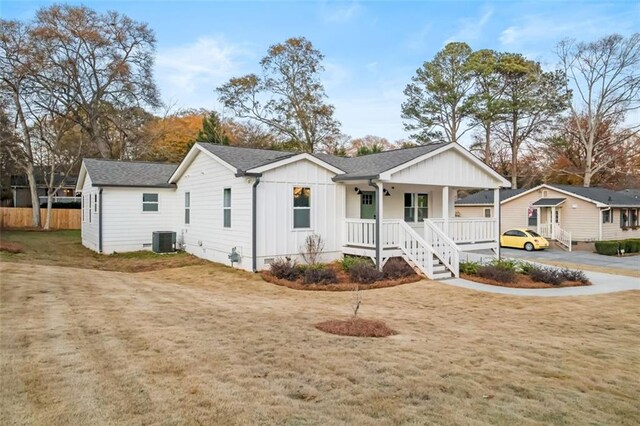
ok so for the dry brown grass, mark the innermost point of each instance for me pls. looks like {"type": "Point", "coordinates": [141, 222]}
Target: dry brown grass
{"type": "Point", "coordinates": [522, 281]}
{"type": "Point", "coordinates": [356, 327]}
{"type": "Point", "coordinates": [10, 247]}
{"type": "Point", "coordinates": [211, 345]}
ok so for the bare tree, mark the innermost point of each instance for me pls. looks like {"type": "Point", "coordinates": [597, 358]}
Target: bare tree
{"type": "Point", "coordinates": [605, 75]}
{"type": "Point", "coordinates": [312, 249]}
{"type": "Point", "coordinates": [18, 63]}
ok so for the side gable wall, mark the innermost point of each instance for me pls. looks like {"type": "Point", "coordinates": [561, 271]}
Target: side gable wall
{"type": "Point", "coordinates": [205, 235]}
{"type": "Point", "coordinates": [447, 168]}
{"type": "Point", "coordinates": [89, 215]}
{"type": "Point", "coordinates": [276, 235]}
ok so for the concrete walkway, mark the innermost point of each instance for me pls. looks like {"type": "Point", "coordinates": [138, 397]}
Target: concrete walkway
{"type": "Point", "coordinates": [601, 284]}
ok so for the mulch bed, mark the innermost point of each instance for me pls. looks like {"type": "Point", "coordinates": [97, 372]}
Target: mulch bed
{"type": "Point", "coordinates": [343, 283]}
{"type": "Point", "coordinates": [523, 282]}
{"type": "Point", "coordinates": [356, 327]}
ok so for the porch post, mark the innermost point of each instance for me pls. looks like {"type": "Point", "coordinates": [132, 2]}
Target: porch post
{"type": "Point", "coordinates": [445, 209]}
{"type": "Point", "coordinates": [379, 219]}
{"type": "Point", "coordinates": [496, 209]}
{"type": "Point", "coordinates": [538, 220]}
{"type": "Point", "coordinates": [553, 222]}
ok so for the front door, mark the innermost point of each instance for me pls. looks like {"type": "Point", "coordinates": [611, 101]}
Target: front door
{"type": "Point", "coordinates": [368, 205]}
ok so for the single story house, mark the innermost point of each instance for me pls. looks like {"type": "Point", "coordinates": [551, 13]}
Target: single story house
{"type": "Point", "coordinates": [262, 204]}
{"type": "Point", "coordinates": [566, 213]}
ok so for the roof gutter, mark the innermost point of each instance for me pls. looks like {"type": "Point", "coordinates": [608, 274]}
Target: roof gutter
{"type": "Point", "coordinates": [254, 221]}
{"type": "Point", "coordinates": [368, 177]}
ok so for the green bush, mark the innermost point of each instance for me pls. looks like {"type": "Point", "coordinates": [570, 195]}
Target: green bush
{"type": "Point", "coordinates": [526, 267]}
{"type": "Point", "coordinates": [631, 245]}
{"type": "Point", "coordinates": [348, 262]}
{"type": "Point", "coordinates": [506, 264]}
{"type": "Point", "coordinates": [470, 268]}
{"type": "Point", "coordinates": [609, 248]}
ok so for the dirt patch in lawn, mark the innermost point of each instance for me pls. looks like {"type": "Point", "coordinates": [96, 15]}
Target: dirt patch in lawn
{"type": "Point", "coordinates": [522, 281]}
{"type": "Point", "coordinates": [340, 286]}
{"type": "Point", "coordinates": [11, 247]}
{"type": "Point", "coordinates": [356, 327]}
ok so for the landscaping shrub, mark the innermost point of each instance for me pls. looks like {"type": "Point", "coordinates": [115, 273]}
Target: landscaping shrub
{"type": "Point", "coordinates": [609, 248]}
{"type": "Point", "coordinates": [495, 273]}
{"type": "Point", "coordinates": [364, 273]}
{"type": "Point", "coordinates": [526, 267]}
{"type": "Point", "coordinates": [285, 269]}
{"type": "Point", "coordinates": [631, 245]}
{"type": "Point", "coordinates": [543, 274]}
{"type": "Point", "coordinates": [320, 275]}
{"type": "Point", "coordinates": [396, 267]}
{"type": "Point", "coordinates": [506, 264]}
{"type": "Point", "coordinates": [470, 268]}
{"type": "Point", "coordinates": [574, 275]}
{"type": "Point", "coordinates": [348, 261]}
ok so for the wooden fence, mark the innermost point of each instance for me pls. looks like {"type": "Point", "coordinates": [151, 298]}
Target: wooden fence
{"type": "Point", "coordinates": [11, 217]}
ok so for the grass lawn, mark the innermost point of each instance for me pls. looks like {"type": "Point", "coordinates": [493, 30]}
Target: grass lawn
{"type": "Point", "coordinates": [206, 344]}
{"type": "Point", "coordinates": [63, 248]}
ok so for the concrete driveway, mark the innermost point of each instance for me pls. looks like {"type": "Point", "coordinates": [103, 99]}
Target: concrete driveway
{"type": "Point", "coordinates": [631, 263]}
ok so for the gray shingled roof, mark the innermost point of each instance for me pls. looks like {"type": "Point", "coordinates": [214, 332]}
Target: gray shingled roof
{"type": "Point", "coordinates": [373, 164]}
{"type": "Point", "coordinates": [486, 196]}
{"type": "Point", "coordinates": [244, 159]}
{"type": "Point", "coordinates": [601, 195]}
{"type": "Point", "coordinates": [549, 202]}
{"type": "Point", "coordinates": [129, 173]}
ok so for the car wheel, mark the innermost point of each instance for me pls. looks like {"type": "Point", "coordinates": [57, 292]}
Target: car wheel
{"type": "Point", "coordinates": [528, 247]}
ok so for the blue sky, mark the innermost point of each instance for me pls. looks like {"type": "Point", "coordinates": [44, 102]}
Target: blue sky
{"type": "Point", "coordinates": [371, 49]}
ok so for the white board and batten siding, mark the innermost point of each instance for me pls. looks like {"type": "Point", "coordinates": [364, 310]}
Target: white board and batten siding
{"type": "Point", "coordinates": [90, 215]}
{"type": "Point", "coordinates": [449, 168]}
{"type": "Point", "coordinates": [205, 236]}
{"type": "Point", "coordinates": [276, 234]}
{"type": "Point", "coordinates": [125, 226]}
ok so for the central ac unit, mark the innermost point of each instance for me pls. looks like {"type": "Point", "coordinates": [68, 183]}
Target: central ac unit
{"type": "Point", "coordinates": [164, 242]}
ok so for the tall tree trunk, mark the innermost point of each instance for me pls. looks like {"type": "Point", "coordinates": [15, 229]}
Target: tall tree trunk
{"type": "Point", "coordinates": [588, 166]}
{"type": "Point", "coordinates": [47, 221]}
{"type": "Point", "coordinates": [35, 200]}
{"type": "Point", "coordinates": [487, 145]}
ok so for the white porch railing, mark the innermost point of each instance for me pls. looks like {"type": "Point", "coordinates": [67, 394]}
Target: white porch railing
{"type": "Point", "coordinates": [415, 248]}
{"type": "Point", "coordinates": [555, 232]}
{"type": "Point", "coordinates": [467, 230]}
{"type": "Point", "coordinates": [362, 232]}
{"type": "Point", "coordinates": [444, 247]}
{"type": "Point", "coordinates": [60, 199]}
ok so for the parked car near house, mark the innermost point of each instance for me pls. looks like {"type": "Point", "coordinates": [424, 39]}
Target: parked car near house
{"type": "Point", "coordinates": [564, 213]}
{"type": "Point", "coordinates": [262, 204]}
{"type": "Point", "coordinates": [523, 238]}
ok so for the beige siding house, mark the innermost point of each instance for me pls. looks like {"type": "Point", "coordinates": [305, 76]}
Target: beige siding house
{"type": "Point", "coordinates": [584, 214]}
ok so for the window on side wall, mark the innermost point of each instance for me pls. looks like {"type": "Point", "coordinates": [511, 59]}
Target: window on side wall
{"type": "Point", "coordinates": [95, 203]}
{"type": "Point", "coordinates": [487, 212]}
{"type": "Point", "coordinates": [301, 207]}
{"type": "Point", "coordinates": [624, 218]}
{"type": "Point", "coordinates": [633, 219]}
{"type": "Point", "coordinates": [187, 208]}
{"type": "Point", "coordinates": [226, 208]}
{"type": "Point", "coordinates": [90, 208]}
{"type": "Point", "coordinates": [150, 202]}
{"type": "Point", "coordinates": [607, 216]}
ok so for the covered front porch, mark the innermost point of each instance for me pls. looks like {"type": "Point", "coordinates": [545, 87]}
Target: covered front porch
{"type": "Point", "coordinates": [416, 222]}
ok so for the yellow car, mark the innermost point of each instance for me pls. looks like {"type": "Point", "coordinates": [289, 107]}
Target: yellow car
{"type": "Point", "coordinates": [523, 238]}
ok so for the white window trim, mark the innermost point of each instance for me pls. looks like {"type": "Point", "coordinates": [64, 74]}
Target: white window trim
{"type": "Point", "coordinates": [292, 200]}
{"type": "Point", "coordinates": [415, 205]}
{"type": "Point", "coordinates": [224, 208]}
{"type": "Point", "coordinates": [150, 202]}
{"type": "Point", "coordinates": [90, 208]}
{"type": "Point", "coordinates": [186, 208]}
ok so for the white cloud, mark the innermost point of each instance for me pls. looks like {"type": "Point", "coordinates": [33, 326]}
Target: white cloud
{"type": "Point", "coordinates": [342, 14]}
{"type": "Point", "coordinates": [188, 74]}
{"type": "Point", "coordinates": [471, 29]}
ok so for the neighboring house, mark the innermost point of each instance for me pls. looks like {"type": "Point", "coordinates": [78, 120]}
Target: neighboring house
{"type": "Point", "coordinates": [562, 211]}
{"type": "Point", "coordinates": [264, 204]}
{"type": "Point", "coordinates": [22, 193]}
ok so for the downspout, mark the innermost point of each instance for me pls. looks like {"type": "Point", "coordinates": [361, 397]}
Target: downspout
{"type": "Point", "coordinates": [100, 221]}
{"type": "Point", "coordinates": [378, 224]}
{"type": "Point", "coordinates": [254, 224]}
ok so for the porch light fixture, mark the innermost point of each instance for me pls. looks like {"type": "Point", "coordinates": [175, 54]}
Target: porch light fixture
{"type": "Point", "coordinates": [387, 193]}
{"type": "Point", "coordinates": [357, 190]}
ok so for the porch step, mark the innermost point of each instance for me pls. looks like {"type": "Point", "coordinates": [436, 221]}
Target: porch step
{"type": "Point", "coordinates": [442, 275]}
